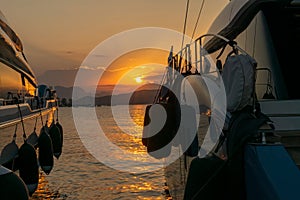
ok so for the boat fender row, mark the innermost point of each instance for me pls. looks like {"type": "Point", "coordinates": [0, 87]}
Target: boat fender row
{"type": "Point", "coordinates": [50, 144]}
{"type": "Point", "coordinates": [55, 135]}
{"type": "Point", "coordinates": [173, 133]}
{"type": "Point", "coordinates": [28, 167]}
{"type": "Point", "coordinates": [49, 141]}
{"type": "Point", "coordinates": [45, 150]}
{"type": "Point", "coordinates": [33, 139]}
{"type": "Point", "coordinates": [158, 144]}
{"type": "Point", "coordinates": [59, 126]}
{"type": "Point", "coordinates": [188, 137]}
{"type": "Point", "coordinates": [9, 156]}
{"type": "Point", "coordinates": [12, 186]}
{"type": "Point", "coordinates": [26, 160]}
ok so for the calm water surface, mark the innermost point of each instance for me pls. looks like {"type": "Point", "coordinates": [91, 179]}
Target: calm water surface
{"type": "Point", "coordinates": [78, 175]}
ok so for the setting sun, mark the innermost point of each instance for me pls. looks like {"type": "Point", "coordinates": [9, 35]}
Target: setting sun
{"type": "Point", "coordinates": [138, 79]}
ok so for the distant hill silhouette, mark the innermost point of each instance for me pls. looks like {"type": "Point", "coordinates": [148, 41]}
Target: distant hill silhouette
{"type": "Point", "coordinates": [66, 92]}
{"type": "Point", "coordinates": [138, 97]}
{"type": "Point", "coordinates": [149, 86]}
{"type": "Point", "coordinates": [143, 95]}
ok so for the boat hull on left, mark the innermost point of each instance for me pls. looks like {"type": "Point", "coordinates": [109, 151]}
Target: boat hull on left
{"type": "Point", "coordinates": [25, 107]}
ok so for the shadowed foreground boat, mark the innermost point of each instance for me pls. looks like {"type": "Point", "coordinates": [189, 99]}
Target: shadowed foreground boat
{"type": "Point", "coordinates": [254, 44]}
{"type": "Point", "coordinates": [22, 99]}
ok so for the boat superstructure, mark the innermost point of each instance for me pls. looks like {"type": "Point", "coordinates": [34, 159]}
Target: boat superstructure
{"type": "Point", "coordinates": [23, 102]}
{"type": "Point", "coordinates": [18, 84]}
{"type": "Point", "coordinates": [269, 32]}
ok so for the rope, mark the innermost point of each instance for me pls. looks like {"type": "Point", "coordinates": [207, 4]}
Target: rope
{"type": "Point", "coordinates": [15, 134]}
{"type": "Point", "coordinates": [46, 123]}
{"type": "Point", "coordinates": [22, 122]}
{"type": "Point", "coordinates": [185, 20]}
{"type": "Point", "coordinates": [48, 116]}
{"type": "Point", "coordinates": [196, 24]}
{"type": "Point", "coordinates": [160, 87]}
{"type": "Point", "coordinates": [57, 115]}
{"type": "Point", "coordinates": [56, 111]}
{"type": "Point", "coordinates": [35, 123]}
{"type": "Point", "coordinates": [41, 115]}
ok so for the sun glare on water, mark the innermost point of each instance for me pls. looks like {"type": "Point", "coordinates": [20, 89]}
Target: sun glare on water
{"type": "Point", "coordinates": [138, 79]}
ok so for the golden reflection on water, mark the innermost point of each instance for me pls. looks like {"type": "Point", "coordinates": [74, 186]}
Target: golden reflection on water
{"type": "Point", "coordinates": [131, 140]}
{"type": "Point", "coordinates": [138, 114]}
{"type": "Point", "coordinates": [77, 175]}
{"type": "Point", "coordinates": [43, 191]}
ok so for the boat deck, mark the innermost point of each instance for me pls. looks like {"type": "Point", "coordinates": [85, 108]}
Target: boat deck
{"type": "Point", "coordinates": [291, 141]}
{"type": "Point", "coordinates": [9, 115]}
{"type": "Point", "coordinates": [287, 131]}
{"type": "Point", "coordinates": [285, 115]}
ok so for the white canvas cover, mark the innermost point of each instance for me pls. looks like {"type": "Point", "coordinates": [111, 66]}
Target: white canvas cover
{"type": "Point", "coordinates": [239, 81]}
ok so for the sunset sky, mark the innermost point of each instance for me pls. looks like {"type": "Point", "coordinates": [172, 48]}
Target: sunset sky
{"type": "Point", "coordinates": [58, 35]}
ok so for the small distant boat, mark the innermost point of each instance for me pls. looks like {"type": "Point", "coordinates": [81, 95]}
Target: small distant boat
{"type": "Point", "coordinates": [22, 100]}
{"type": "Point", "coordinates": [254, 44]}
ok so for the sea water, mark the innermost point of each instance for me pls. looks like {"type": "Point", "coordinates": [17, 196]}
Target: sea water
{"type": "Point", "coordinates": [78, 175]}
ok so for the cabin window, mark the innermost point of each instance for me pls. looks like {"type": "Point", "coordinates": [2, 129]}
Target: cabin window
{"type": "Point", "coordinates": [10, 80]}
{"type": "Point", "coordinates": [13, 82]}
{"type": "Point", "coordinates": [29, 88]}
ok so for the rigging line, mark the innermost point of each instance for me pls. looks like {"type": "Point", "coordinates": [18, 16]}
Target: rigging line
{"type": "Point", "coordinates": [196, 24]}
{"type": "Point", "coordinates": [160, 87]}
{"type": "Point", "coordinates": [15, 134]}
{"type": "Point", "coordinates": [22, 121]}
{"type": "Point", "coordinates": [35, 123]}
{"type": "Point", "coordinates": [185, 20]}
{"type": "Point", "coordinates": [56, 110]}
{"type": "Point", "coordinates": [40, 109]}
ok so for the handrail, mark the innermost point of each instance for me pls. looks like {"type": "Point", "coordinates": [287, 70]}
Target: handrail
{"type": "Point", "coordinates": [25, 118]}
{"type": "Point", "coordinates": [183, 62]}
{"type": "Point", "coordinates": [185, 53]}
{"type": "Point", "coordinates": [50, 105]}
